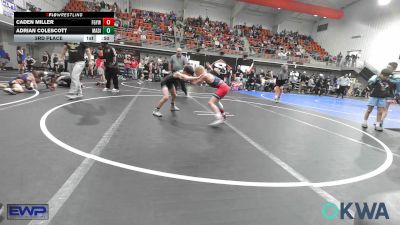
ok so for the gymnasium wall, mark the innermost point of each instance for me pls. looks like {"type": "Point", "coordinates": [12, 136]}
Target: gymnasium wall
{"type": "Point", "coordinates": [48, 5]}
{"type": "Point", "coordinates": [301, 26]}
{"type": "Point", "coordinates": [164, 6]}
{"type": "Point", "coordinates": [379, 28]}
{"type": "Point", "coordinates": [214, 12]}
{"type": "Point", "coordinates": [255, 18]}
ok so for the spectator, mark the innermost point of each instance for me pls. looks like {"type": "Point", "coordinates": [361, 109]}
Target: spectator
{"type": "Point", "coordinates": [140, 71]}
{"type": "Point", "coordinates": [20, 62]}
{"type": "Point", "coordinates": [45, 60]}
{"type": "Point", "coordinates": [111, 67]}
{"type": "Point", "coordinates": [127, 67]}
{"type": "Point", "coordinates": [100, 68]}
{"type": "Point", "coordinates": [3, 58]}
{"type": "Point", "coordinates": [339, 59]}
{"type": "Point", "coordinates": [344, 83]}
{"type": "Point", "coordinates": [134, 68]}
{"type": "Point", "coordinates": [24, 58]}
{"type": "Point", "coordinates": [30, 62]}
{"type": "Point", "coordinates": [354, 60]}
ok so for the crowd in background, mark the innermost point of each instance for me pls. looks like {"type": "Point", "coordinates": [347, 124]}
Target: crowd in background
{"type": "Point", "coordinates": [154, 68]}
{"type": "Point", "coordinates": [298, 82]}
{"type": "Point", "coordinates": [203, 33]}
{"type": "Point", "coordinates": [207, 33]}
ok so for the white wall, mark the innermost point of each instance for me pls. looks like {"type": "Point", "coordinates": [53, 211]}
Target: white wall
{"type": "Point", "coordinates": [216, 13]}
{"type": "Point", "coordinates": [196, 8]}
{"type": "Point", "coordinates": [158, 5]}
{"type": "Point", "coordinates": [49, 5]}
{"type": "Point", "coordinates": [378, 26]}
{"type": "Point", "coordinates": [301, 26]}
{"type": "Point", "coordinates": [255, 18]}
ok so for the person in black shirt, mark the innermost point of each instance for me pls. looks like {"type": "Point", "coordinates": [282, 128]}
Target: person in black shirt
{"type": "Point", "coordinates": [281, 80]}
{"type": "Point", "coordinates": [29, 62]}
{"type": "Point", "coordinates": [250, 84]}
{"type": "Point", "coordinates": [20, 52]}
{"type": "Point", "coordinates": [111, 67]}
{"type": "Point", "coordinates": [258, 82]}
{"type": "Point", "coordinates": [76, 59]}
{"type": "Point", "coordinates": [55, 63]}
{"type": "Point", "coordinates": [319, 85]}
{"type": "Point", "coordinates": [392, 66]}
{"type": "Point", "coordinates": [381, 88]}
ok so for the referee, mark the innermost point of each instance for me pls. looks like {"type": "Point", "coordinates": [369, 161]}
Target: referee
{"type": "Point", "coordinates": [176, 63]}
{"type": "Point", "coordinates": [111, 67]}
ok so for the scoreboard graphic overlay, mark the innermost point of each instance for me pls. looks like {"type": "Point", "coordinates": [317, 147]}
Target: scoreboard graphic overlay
{"type": "Point", "coordinates": [64, 27]}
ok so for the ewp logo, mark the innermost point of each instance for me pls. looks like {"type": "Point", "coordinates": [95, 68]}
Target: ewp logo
{"type": "Point", "coordinates": [27, 212]}
{"type": "Point", "coordinates": [363, 211]}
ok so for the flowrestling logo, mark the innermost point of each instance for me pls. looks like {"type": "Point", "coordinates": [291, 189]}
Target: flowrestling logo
{"type": "Point", "coordinates": [363, 211]}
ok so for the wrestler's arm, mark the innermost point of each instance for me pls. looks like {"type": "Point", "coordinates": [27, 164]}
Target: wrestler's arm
{"type": "Point", "coordinates": [184, 76]}
{"type": "Point", "coordinates": [200, 79]}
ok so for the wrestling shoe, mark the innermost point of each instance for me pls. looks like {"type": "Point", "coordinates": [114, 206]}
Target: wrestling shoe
{"type": "Point", "coordinates": [364, 125]}
{"type": "Point", "coordinates": [9, 91]}
{"type": "Point", "coordinates": [224, 116]}
{"type": "Point", "coordinates": [378, 128]}
{"type": "Point", "coordinates": [174, 108]}
{"type": "Point", "coordinates": [217, 122]}
{"type": "Point", "coordinates": [157, 113]}
{"type": "Point", "coordinates": [106, 89]}
{"type": "Point", "coordinates": [74, 96]}
{"type": "Point", "coordinates": [115, 91]}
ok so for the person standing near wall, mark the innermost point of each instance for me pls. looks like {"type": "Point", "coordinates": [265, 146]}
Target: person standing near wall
{"type": "Point", "coordinates": [20, 52]}
{"type": "Point", "coordinates": [66, 59]}
{"type": "Point", "coordinates": [29, 62]}
{"type": "Point", "coordinates": [23, 59]}
{"type": "Point", "coordinates": [76, 54]}
{"type": "Point", "coordinates": [45, 60]}
{"type": "Point", "coordinates": [176, 63]}
{"type": "Point", "coordinates": [134, 68]}
{"type": "Point", "coordinates": [127, 67]}
{"type": "Point", "coordinates": [344, 83]}
{"type": "Point", "coordinates": [339, 59]}
{"type": "Point", "coordinates": [2, 58]}
{"type": "Point", "coordinates": [100, 68]}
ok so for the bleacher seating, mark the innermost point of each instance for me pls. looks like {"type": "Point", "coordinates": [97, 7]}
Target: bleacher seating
{"type": "Point", "coordinates": [156, 28]}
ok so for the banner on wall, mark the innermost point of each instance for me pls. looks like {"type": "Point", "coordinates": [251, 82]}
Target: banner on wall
{"type": "Point", "coordinates": [8, 8]}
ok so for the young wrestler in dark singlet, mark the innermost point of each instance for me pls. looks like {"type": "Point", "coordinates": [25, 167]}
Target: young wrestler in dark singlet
{"type": "Point", "coordinates": [168, 86]}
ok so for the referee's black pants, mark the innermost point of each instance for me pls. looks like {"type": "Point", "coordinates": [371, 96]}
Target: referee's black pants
{"type": "Point", "coordinates": [182, 84]}
{"type": "Point", "coordinates": [111, 73]}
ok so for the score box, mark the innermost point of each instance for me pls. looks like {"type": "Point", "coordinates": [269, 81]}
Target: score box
{"type": "Point", "coordinates": [108, 22]}
{"type": "Point", "coordinates": [108, 30]}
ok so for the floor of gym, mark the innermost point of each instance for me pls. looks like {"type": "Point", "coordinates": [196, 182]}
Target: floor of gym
{"type": "Point", "coordinates": [106, 160]}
